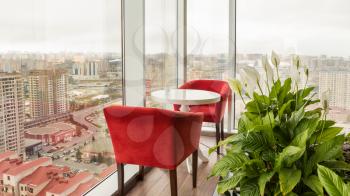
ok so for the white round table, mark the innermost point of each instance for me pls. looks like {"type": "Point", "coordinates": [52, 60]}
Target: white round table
{"type": "Point", "coordinates": [185, 98]}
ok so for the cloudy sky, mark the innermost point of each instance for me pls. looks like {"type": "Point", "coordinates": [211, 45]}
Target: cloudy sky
{"type": "Point", "coordinates": [302, 26]}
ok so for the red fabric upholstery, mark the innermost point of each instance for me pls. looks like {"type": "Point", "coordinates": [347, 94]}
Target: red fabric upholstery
{"type": "Point", "coordinates": [152, 137]}
{"type": "Point", "coordinates": [213, 112]}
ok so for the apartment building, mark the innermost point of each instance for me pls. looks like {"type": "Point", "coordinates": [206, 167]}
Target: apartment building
{"type": "Point", "coordinates": [338, 83]}
{"type": "Point", "coordinates": [34, 183]}
{"type": "Point", "coordinates": [5, 165]}
{"type": "Point", "coordinates": [11, 113]}
{"type": "Point", "coordinates": [14, 175]}
{"type": "Point", "coordinates": [48, 92]}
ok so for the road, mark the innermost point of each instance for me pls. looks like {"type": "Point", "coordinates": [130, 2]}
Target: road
{"type": "Point", "coordinates": [80, 117]}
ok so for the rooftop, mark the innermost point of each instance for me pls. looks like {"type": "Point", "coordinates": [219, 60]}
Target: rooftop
{"type": "Point", "coordinates": [31, 142]}
{"type": "Point", "coordinates": [43, 174]}
{"type": "Point", "coordinates": [5, 165]}
{"type": "Point", "coordinates": [7, 155]}
{"type": "Point", "coordinates": [28, 165]}
{"type": "Point", "coordinates": [68, 183]}
{"type": "Point", "coordinates": [50, 129]}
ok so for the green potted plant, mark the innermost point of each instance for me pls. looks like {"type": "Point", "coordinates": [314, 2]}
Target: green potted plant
{"type": "Point", "coordinates": [281, 140]}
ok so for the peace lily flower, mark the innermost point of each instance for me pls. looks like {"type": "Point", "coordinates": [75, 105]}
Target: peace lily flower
{"type": "Point", "coordinates": [306, 72]}
{"type": "Point", "coordinates": [249, 84]}
{"type": "Point", "coordinates": [297, 62]}
{"type": "Point", "coordinates": [236, 86]}
{"type": "Point", "coordinates": [275, 61]}
{"type": "Point", "coordinates": [268, 69]}
{"type": "Point", "coordinates": [325, 100]}
{"type": "Point", "coordinates": [295, 74]}
{"type": "Point", "coordinates": [252, 74]}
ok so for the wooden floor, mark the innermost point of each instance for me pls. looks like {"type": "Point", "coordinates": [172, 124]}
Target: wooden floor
{"type": "Point", "coordinates": [156, 182]}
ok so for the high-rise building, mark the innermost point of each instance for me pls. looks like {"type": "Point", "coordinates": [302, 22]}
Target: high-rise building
{"type": "Point", "coordinates": [48, 92]}
{"type": "Point", "coordinates": [11, 113]}
{"type": "Point", "coordinates": [87, 70]}
{"type": "Point", "coordinates": [338, 83]}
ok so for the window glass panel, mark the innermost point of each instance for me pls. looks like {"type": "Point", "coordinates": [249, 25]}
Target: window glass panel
{"type": "Point", "coordinates": [315, 30]}
{"type": "Point", "coordinates": [208, 40]}
{"type": "Point", "coordinates": [60, 64]}
{"type": "Point", "coordinates": [160, 47]}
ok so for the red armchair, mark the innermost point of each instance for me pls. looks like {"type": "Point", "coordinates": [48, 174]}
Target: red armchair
{"type": "Point", "coordinates": [213, 113]}
{"type": "Point", "coordinates": [153, 137]}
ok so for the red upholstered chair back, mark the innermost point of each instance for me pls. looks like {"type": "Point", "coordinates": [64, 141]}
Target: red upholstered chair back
{"type": "Point", "coordinates": [152, 137]}
{"type": "Point", "coordinates": [218, 86]}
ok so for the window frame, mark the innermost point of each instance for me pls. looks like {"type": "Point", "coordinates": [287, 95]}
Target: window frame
{"type": "Point", "coordinates": [131, 177]}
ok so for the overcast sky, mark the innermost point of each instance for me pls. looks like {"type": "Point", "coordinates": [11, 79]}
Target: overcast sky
{"type": "Point", "coordinates": [302, 26]}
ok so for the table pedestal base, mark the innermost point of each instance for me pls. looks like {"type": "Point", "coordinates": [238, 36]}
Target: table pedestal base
{"type": "Point", "coordinates": [201, 156]}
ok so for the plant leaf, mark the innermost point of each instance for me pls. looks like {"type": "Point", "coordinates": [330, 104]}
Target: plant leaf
{"type": "Point", "coordinates": [294, 120]}
{"type": "Point", "coordinates": [289, 154]}
{"type": "Point", "coordinates": [284, 90]}
{"type": "Point", "coordinates": [230, 183]}
{"type": "Point", "coordinates": [233, 139]}
{"type": "Point", "coordinates": [327, 134]}
{"type": "Point", "coordinates": [300, 139]}
{"type": "Point", "coordinates": [326, 151]}
{"type": "Point", "coordinates": [229, 163]}
{"type": "Point", "coordinates": [284, 107]}
{"type": "Point", "coordinates": [263, 179]}
{"type": "Point", "coordinates": [314, 184]}
{"type": "Point", "coordinates": [332, 182]}
{"type": "Point", "coordinates": [338, 165]}
{"type": "Point", "coordinates": [255, 142]}
{"type": "Point", "coordinates": [249, 188]}
{"type": "Point", "coordinates": [289, 178]}
{"type": "Point", "coordinates": [306, 123]}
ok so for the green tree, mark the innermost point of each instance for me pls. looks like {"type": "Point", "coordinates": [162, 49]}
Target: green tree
{"type": "Point", "coordinates": [78, 154]}
{"type": "Point", "coordinates": [93, 159]}
{"type": "Point", "coordinates": [99, 158]}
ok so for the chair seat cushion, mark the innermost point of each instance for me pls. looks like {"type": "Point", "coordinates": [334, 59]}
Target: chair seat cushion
{"type": "Point", "coordinates": [208, 112]}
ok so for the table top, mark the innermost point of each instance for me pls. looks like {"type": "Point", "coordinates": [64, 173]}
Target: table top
{"type": "Point", "coordinates": [185, 97]}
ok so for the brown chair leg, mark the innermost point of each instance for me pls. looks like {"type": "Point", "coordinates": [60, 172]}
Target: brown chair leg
{"type": "Point", "coordinates": [217, 126]}
{"type": "Point", "coordinates": [222, 129]}
{"type": "Point", "coordinates": [141, 172]}
{"type": "Point", "coordinates": [194, 168]}
{"type": "Point", "coordinates": [173, 182]}
{"type": "Point", "coordinates": [120, 168]}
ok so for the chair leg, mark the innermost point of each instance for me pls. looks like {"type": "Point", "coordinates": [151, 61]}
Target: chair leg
{"type": "Point", "coordinates": [141, 172]}
{"type": "Point", "coordinates": [194, 168]}
{"type": "Point", "coordinates": [222, 129]}
{"type": "Point", "coordinates": [120, 168]}
{"type": "Point", "coordinates": [173, 182]}
{"type": "Point", "coordinates": [217, 126]}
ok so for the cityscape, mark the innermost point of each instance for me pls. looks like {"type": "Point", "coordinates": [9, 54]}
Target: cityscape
{"type": "Point", "coordinates": [51, 119]}
{"type": "Point", "coordinates": [51, 109]}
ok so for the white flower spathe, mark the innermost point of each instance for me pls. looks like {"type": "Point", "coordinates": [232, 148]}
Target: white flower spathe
{"type": "Point", "coordinates": [275, 59]}
{"type": "Point", "coordinates": [325, 95]}
{"type": "Point", "coordinates": [295, 75]}
{"type": "Point", "coordinates": [268, 69]}
{"type": "Point", "coordinates": [250, 78]}
{"type": "Point", "coordinates": [236, 86]}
